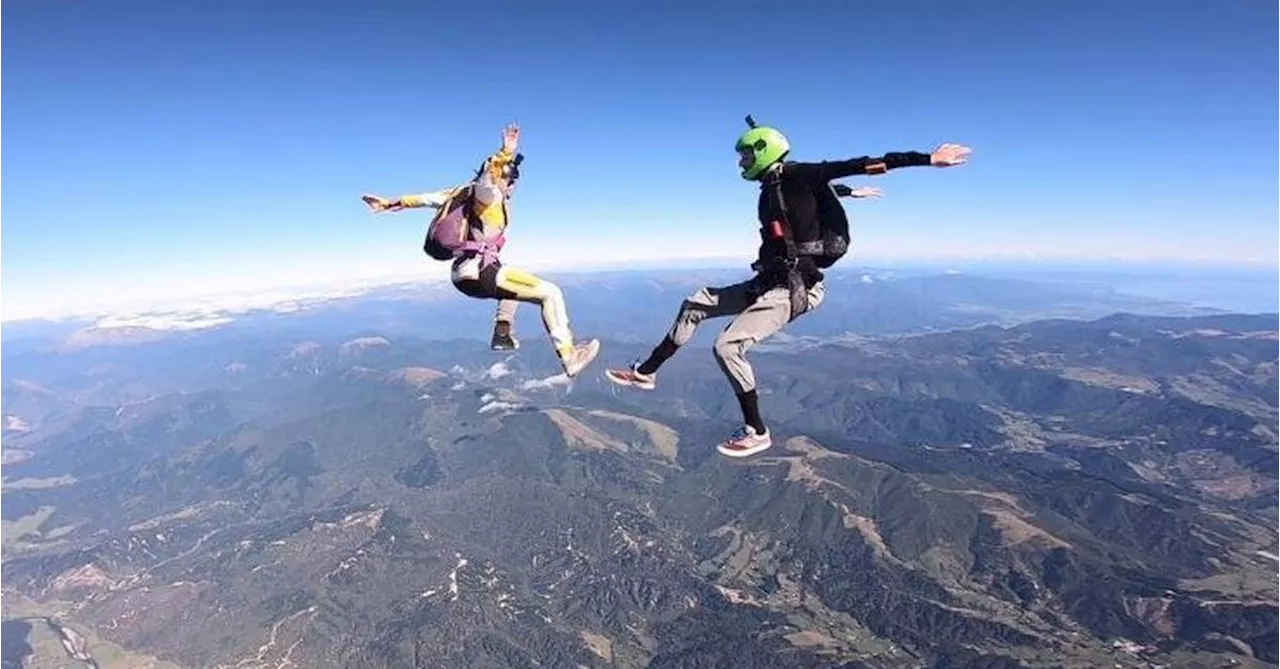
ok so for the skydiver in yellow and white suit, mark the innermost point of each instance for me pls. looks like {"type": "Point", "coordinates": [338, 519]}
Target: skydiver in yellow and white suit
{"type": "Point", "coordinates": [477, 271]}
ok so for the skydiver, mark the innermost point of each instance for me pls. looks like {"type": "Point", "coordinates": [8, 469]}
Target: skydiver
{"type": "Point", "coordinates": [477, 271]}
{"type": "Point", "coordinates": [803, 230]}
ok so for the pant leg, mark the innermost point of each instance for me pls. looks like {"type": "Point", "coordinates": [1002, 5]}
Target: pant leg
{"type": "Point", "coordinates": [506, 311]}
{"type": "Point", "coordinates": [482, 283]}
{"type": "Point", "coordinates": [706, 303]}
{"type": "Point", "coordinates": [511, 287]}
{"type": "Point", "coordinates": [766, 316]}
{"type": "Point", "coordinates": [498, 282]}
{"type": "Point", "coordinates": [522, 286]}
{"type": "Point", "coordinates": [709, 303]}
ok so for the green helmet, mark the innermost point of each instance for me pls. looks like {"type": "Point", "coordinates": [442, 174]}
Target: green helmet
{"type": "Point", "coordinates": [758, 148]}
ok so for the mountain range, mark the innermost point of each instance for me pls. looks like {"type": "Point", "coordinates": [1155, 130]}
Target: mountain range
{"type": "Point", "coordinates": [967, 472]}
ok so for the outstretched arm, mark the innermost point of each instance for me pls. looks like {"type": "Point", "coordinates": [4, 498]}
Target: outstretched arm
{"type": "Point", "coordinates": [488, 188]}
{"type": "Point", "coordinates": [946, 155]}
{"type": "Point", "coordinates": [435, 199]}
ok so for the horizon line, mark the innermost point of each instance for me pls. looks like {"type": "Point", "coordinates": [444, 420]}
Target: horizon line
{"type": "Point", "coordinates": [312, 287]}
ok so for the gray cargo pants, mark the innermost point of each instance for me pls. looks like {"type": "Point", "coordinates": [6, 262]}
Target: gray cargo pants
{"type": "Point", "coordinates": [756, 318]}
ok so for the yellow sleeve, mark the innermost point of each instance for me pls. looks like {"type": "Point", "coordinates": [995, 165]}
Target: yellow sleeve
{"type": "Point", "coordinates": [435, 199]}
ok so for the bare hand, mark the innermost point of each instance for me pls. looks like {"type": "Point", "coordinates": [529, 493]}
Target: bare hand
{"type": "Point", "coordinates": [842, 190]}
{"type": "Point", "coordinates": [949, 155]}
{"type": "Point", "coordinates": [378, 204]}
{"type": "Point", "coordinates": [865, 191]}
{"type": "Point", "coordinates": [510, 137]}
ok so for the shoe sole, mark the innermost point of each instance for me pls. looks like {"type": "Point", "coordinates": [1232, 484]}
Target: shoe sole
{"type": "Point", "coordinates": [614, 377]}
{"type": "Point", "coordinates": [743, 452]}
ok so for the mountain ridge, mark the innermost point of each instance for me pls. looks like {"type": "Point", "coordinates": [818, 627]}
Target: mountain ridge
{"type": "Point", "coordinates": [983, 497]}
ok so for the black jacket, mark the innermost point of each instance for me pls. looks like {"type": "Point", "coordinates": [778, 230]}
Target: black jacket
{"type": "Point", "coordinates": [809, 199]}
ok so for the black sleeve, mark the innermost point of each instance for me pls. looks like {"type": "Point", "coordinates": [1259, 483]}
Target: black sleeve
{"type": "Point", "coordinates": [838, 169]}
{"type": "Point", "coordinates": [842, 190]}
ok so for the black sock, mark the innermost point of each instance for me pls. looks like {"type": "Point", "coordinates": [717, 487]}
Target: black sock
{"type": "Point", "coordinates": [502, 328]}
{"type": "Point", "coordinates": [661, 352]}
{"type": "Point", "coordinates": [750, 403]}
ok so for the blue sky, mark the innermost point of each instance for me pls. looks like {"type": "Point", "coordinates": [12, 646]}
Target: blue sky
{"type": "Point", "coordinates": [160, 148]}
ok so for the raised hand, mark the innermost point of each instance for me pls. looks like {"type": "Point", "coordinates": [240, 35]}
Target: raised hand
{"type": "Point", "coordinates": [510, 137]}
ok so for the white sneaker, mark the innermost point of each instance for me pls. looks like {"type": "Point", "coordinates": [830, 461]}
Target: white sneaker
{"type": "Point", "coordinates": [745, 442]}
{"type": "Point", "coordinates": [580, 357]}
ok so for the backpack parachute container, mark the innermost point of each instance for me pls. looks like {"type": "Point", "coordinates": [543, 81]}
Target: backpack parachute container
{"type": "Point", "coordinates": [450, 229]}
{"type": "Point", "coordinates": [834, 223]}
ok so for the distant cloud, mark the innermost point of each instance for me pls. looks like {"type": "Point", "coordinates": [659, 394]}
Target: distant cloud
{"type": "Point", "coordinates": [549, 382]}
{"type": "Point", "coordinates": [174, 307]}
{"type": "Point", "coordinates": [164, 321]}
{"type": "Point", "coordinates": [16, 424]}
{"type": "Point", "coordinates": [364, 343]}
{"type": "Point", "coordinates": [499, 406]}
{"type": "Point", "coordinates": [497, 371]}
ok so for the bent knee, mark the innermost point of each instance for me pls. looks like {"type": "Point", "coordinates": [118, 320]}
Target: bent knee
{"type": "Point", "coordinates": [701, 298]}
{"type": "Point", "coordinates": [545, 293]}
{"type": "Point", "coordinates": [550, 292]}
{"type": "Point", "coordinates": [726, 347]}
